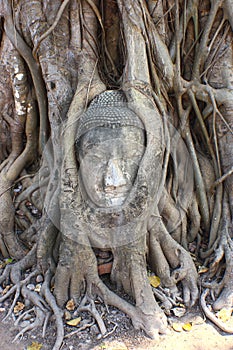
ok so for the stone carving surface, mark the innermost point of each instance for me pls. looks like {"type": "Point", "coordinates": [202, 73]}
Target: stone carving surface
{"type": "Point", "coordinates": [109, 160]}
{"type": "Point", "coordinates": [110, 145]}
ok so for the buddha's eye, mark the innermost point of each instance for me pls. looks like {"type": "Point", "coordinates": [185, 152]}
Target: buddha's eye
{"type": "Point", "coordinates": [94, 158]}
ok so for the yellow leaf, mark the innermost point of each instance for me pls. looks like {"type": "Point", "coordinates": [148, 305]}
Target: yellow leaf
{"type": "Point", "coordinates": [178, 327]}
{"type": "Point", "coordinates": [74, 322]}
{"type": "Point", "coordinates": [18, 307]}
{"type": "Point", "coordinates": [34, 346]}
{"type": "Point", "coordinates": [70, 305]}
{"type": "Point", "coordinates": [37, 288]}
{"type": "Point", "coordinates": [224, 314]}
{"type": "Point", "coordinates": [187, 327]}
{"type": "Point", "coordinates": [154, 281]}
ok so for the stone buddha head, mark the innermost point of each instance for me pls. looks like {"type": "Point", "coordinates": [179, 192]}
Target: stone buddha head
{"type": "Point", "coordinates": [110, 144]}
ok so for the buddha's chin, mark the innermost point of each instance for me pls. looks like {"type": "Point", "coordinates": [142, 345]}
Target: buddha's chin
{"type": "Point", "coordinates": [115, 201]}
{"type": "Point", "coordinates": [110, 201]}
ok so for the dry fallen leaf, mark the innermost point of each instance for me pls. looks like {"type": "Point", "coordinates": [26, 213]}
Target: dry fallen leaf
{"type": "Point", "coordinates": [37, 288]}
{"type": "Point", "coordinates": [5, 290]}
{"type": "Point", "coordinates": [187, 327]}
{"type": "Point", "coordinates": [179, 311]}
{"type": "Point", "coordinates": [70, 305]}
{"type": "Point", "coordinates": [202, 269]}
{"type": "Point", "coordinates": [34, 346]}
{"type": "Point", "coordinates": [154, 281]}
{"type": "Point", "coordinates": [74, 322]}
{"type": "Point", "coordinates": [224, 314]}
{"type": "Point", "coordinates": [178, 327]}
{"type": "Point", "coordinates": [18, 307]}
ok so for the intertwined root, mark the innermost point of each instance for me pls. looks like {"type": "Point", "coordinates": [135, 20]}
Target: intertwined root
{"type": "Point", "coordinates": [69, 282]}
{"type": "Point", "coordinates": [76, 277]}
{"type": "Point", "coordinates": [145, 315]}
{"type": "Point", "coordinates": [172, 263]}
{"type": "Point", "coordinates": [199, 91]}
{"type": "Point", "coordinates": [221, 291]}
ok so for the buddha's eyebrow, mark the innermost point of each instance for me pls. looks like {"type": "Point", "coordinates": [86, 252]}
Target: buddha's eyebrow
{"type": "Point", "coordinates": [88, 145]}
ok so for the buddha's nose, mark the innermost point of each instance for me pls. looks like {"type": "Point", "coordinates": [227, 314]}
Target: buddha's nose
{"type": "Point", "coordinates": [114, 177]}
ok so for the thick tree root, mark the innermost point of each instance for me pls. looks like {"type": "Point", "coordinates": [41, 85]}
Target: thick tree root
{"type": "Point", "coordinates": [225, 299]}
{"type": "Point", "coordinates": [166, 255]}
{"type": "Point", "coordinates": [152, 324]}
{"type": "Point", "coordinates": [145, 315]}
{"type": "Point", "coordinates": [211, 316]}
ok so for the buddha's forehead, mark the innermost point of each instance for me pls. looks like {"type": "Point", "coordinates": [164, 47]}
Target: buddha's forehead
{"type": "Point", "coordinates": [125, 134]}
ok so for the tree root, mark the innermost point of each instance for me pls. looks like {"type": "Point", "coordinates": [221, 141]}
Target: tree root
{"type": "Point", "coordinates": [40, 316]}
{"type": "Point", "coordinates": [167, 303]}
{"type": "Point", "coordinates": [178, 100]}
{"type": "Point", "coordinates": [211, 316]}
{"type": "Point", "coordinates": [58, 313]}
{"type": "Point", "coordinates": [223, 288]}
{"type": "Point", "coordinates": [47, 316]}
{"type": "Point", "coordinates": [22, 316]}
{"type": "Point", "coordinates": [35, 299]}
{"type": "Point", "coordinates": [17, 294]}
{"type": "Point", "coordinates": [225, 299]}
{"type": "Point", "coordinates": [93, 311]}
{"type": "Point", "coordinates": [49, 30]}
{"type": "Point", "coordinates": [17, 286]}
{"type": "Point", "coordinates": [40, 306]}
{"type": "Point", "coordinates": [166, 255]}
{"type": "Point", "coordinates": [112, 331]}
{"type": "Point", "coordinates": [145, 315]}
{"type": "Point", "coordinates": [79, 330]}
{"type": "Point", "coordinates": [38, 81]}
{"type": "Point", "coordinates": [152, 324]}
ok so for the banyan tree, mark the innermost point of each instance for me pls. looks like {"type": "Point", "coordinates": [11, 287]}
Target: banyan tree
{"type": "Point", "coordinates": [116, 157]}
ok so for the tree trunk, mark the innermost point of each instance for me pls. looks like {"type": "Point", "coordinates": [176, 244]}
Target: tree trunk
{"type": "Point", "coordinates": [169, 64]}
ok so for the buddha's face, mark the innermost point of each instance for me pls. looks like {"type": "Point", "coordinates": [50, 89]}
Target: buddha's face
{"type": "Point", "coordinates": [109, 160]}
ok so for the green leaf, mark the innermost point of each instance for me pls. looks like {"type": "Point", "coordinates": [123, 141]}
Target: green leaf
{"type": "Point", "coordinates": [8, 261]}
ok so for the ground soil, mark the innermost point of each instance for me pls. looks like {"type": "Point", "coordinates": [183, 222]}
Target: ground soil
{"type": "Point", "coordinates": [202, 336]}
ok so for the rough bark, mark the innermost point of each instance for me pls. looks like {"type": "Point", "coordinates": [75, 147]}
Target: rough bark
{"type": "Point", "coordinates": [173, 60]}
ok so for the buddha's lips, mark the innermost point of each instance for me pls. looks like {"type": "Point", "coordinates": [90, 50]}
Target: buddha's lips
{"type": "Point", "coordinates": [116, 193]}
